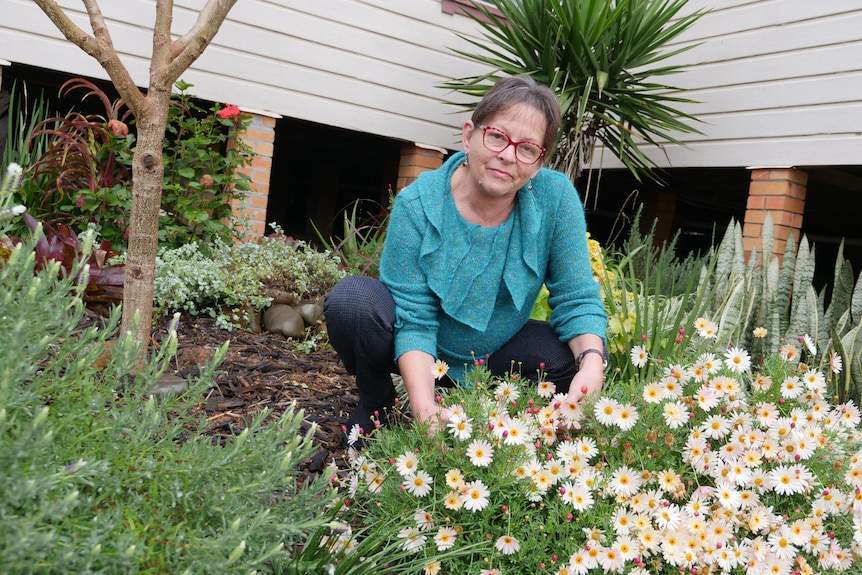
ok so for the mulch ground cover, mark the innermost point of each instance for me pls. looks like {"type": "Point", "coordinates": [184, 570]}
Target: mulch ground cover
{"type": "Point", "coordinates": [266, 371]}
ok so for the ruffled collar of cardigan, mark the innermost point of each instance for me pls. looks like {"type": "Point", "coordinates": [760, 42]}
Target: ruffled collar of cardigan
{"type": "Point", "coordinates": [520, 269]}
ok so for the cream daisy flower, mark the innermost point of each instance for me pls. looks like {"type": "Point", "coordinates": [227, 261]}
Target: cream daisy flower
{"type": "Point", "coordinates": [439, 368]}
{"type": "Point", "coordinates": [445, 538]}
{"type": "Point", "coordinates": [760, 332]}
{"type": "Point", "coordinates": [507, 545]}
{"type": "Point", "coordinates": [453, 501]}
{"type": "Point", "coordinates": [454, 479]}
{"type": "Point", "coordinates": [432, 567]}
{"type": "Point", "coordinates": [761, 382]}
{"type": "Point", "coordinates": [789, 352]}
{"type": "Point", "coordinates": [546, 389]}
{"type": "Point", "coordinates": [653, 392]}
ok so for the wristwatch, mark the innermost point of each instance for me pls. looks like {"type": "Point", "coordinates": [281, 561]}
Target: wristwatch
{"type": "Point", "coordinates": [602, 353]}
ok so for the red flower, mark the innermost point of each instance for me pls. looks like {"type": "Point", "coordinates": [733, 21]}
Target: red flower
{"type": "Point", "coordinates": [118, 128]}
{"type": "Point", "coordinates": [229, 113]}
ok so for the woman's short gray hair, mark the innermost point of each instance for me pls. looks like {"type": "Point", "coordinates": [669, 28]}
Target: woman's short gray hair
{"type": "Point", "coordinates": [521, 90]}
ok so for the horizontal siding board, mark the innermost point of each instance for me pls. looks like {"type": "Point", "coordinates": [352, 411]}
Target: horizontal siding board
{"type": "Point", "coordinates": [798, 152]}
{"type": "Point", "coordinates": [794, 92]}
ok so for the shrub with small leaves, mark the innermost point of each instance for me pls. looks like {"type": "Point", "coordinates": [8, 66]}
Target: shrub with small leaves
{"type": "Point", "coordinates": [226, 281]}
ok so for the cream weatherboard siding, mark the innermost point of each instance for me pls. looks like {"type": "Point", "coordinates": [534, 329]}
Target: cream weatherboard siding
{"type": "Point", "coordinates": [779, 81]}
{"type": "Point", "coordinates": [364, 65]}
{"type": "Point", "coordinates": [779, 84]}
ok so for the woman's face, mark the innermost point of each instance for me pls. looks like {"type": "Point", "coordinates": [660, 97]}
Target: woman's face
{"type": "Point", "coordinates": [500, 174]}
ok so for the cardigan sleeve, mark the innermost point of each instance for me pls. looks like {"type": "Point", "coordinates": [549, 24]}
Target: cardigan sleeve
{"type": "Point", "coordinates": [416, 305]}
{"type": "Point", "coordinates": [575, 297]}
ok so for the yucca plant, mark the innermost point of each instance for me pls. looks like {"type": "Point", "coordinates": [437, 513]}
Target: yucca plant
{"type": "Point", "coordinates": [602, 58]}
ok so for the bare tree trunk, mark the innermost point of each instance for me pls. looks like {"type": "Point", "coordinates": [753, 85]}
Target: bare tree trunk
{"type": "Point", "coordinates": [147, 175]}
{"type": "Point", "coordinates": [169, 60]}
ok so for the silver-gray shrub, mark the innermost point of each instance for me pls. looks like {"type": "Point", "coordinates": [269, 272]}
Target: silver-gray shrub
{"type": "Point", "coordinates": [215, 279]}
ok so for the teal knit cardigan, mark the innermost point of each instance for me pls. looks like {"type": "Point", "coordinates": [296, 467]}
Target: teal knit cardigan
{"type": "Point", "coordinates": [463, 291]}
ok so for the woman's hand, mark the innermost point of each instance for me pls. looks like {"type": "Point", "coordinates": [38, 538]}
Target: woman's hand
{"type": "Point", "coordinates": [583, 384]}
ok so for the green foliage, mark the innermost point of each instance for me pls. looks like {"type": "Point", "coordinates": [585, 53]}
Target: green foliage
{"type": "Point", "coordinates": [101, 477]}
{"type": "Point", "coordinates": [80, 174]}
{"type": "Point", "coordinates": [225, 280]}
{"type": "Point", "coordinates": [602, 58]}
{"type": "Point", "coordinates": [203, 170]}
{"type": "Point", "coordinates": [24, 115]}
{"type": "Point", "coordinates": [361, 244]}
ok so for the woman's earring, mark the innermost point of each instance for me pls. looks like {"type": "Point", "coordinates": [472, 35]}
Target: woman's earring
{"type": "Point", "coordinates": [466, 162]}
{"type": "Point", "coordinates": [530, 184]}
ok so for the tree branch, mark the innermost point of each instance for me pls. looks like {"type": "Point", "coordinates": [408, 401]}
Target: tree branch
{"type": "Point", "coordinates": [99, 46]}
{"type": "Point", "coordinates": [191, 45]}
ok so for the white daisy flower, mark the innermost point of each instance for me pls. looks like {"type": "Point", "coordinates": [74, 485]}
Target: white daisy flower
{"type": "Point", "coordinates": [625, 481]}
{"type": "Point", "coordinates": [639, 356]}
{"type": "Point", "coordinates": [737, 360]}
{"type": "Point", "coordinates": [809, 344]}
{"type": "Point", "coordinates": [626, 417]}
{"type": "Point", "coordinates": [413, 539]}
{"type": "Point", "coordinates": [480, 453]}
{"type": "Point", "coordinates": [507, 391]}
{"type": "Point", "coordinates": [418, 484]}
{"type": "Point", "coordinates": [675, 414]}
{"type": "Point", "coordinates": [606, 410]}
{"type": "Point", "coordinates": [407, 463]}
{"type": "Point", "coordinates": [475, 496]}
{"type": "Point", "coordinates": [460, 427]}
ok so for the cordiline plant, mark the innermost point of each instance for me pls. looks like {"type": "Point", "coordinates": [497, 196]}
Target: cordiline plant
{"type": "Point", "coordinates": [102, 477]}
{"type": "Point", "coordinates": [605, 59]}
{"type": "Point", "coordinates": [83, 176]}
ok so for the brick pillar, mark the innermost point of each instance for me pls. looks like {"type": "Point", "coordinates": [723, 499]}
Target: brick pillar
{"type": "Point", "coordinates": [260, 136]}
{"type": "Point", "coordinates": [416, 159]}
{"type": "Point", "coordinates": [781, 192]}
